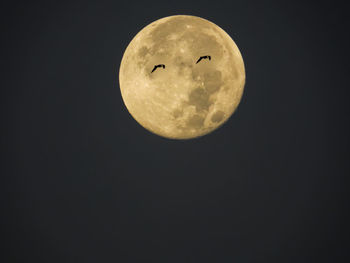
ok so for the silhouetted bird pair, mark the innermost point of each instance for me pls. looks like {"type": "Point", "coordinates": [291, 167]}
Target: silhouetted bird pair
{"type": "Point", "coordinates": [163, 66]}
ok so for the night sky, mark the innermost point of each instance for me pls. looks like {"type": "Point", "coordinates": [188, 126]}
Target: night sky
{"type": "Point", "coordinates": [82, 181]}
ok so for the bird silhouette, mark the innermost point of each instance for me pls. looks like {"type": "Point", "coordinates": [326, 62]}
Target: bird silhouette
{"type": "Point", "coordinates": [203, 57]}
{"type": "Point", "coordinates": [158, 66]}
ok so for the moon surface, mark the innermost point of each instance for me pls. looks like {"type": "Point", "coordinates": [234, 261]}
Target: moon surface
{"type": "Point", "coordinates": [181, 99]}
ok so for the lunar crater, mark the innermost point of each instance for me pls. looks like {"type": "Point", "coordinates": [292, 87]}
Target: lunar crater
{"type": "Point", "coordinates": [218, 116]}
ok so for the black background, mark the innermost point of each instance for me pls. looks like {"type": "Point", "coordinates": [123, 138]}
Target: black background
{"type": "Point", "coordinates": [83, 182]}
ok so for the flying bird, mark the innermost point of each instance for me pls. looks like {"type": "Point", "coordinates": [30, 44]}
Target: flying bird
{"type": "Point", "coordinates": [203, 57]}
{"type": "Point", "coordinates": [158, 66]}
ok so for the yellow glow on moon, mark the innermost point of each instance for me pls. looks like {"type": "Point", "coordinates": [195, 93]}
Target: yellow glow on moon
{"type": "Point", "coordinates": [182, 99]}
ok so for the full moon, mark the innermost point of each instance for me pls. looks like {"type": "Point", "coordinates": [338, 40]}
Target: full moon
{"type": "Point", "coordinates": [182, 77]}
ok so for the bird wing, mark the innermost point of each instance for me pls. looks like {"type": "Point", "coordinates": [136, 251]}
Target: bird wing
{"type": "Point", "coordinates": [154, 69]}
{"type": "Point", "coordinates": [199, 59]}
